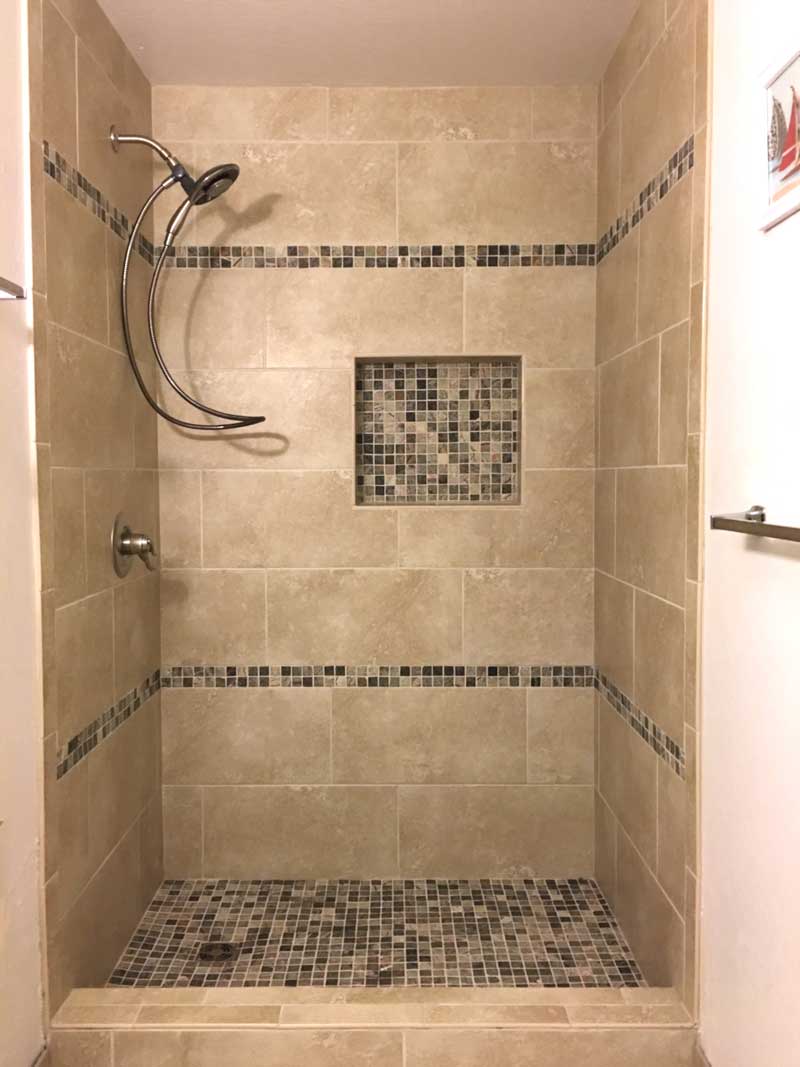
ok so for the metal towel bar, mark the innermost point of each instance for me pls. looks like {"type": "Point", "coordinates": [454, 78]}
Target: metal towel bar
{"type": "Point", "coordinates": [754, 522]}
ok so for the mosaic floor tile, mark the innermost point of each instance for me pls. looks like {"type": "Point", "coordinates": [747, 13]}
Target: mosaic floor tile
{"type": "Point", "coordinates": [378, 933]}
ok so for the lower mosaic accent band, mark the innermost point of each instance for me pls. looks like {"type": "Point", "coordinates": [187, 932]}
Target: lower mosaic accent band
{"type": "Point", "coordinates": [373, 676]}
{"type": "Point", "coordinates": [79, 746]}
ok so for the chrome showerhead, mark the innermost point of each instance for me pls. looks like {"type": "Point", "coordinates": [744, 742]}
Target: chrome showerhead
{"type": "Point", "coordinates": [213, 183]}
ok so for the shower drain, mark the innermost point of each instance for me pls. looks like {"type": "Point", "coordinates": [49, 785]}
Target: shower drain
{"type": "Point", "coordinates": [217, 952]}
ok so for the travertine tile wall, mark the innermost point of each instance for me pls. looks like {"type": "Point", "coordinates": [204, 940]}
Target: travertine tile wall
{"type": "Point", "coordinates": [97, 455]}
{"type": "Point", "coordinates": [267, 560]}
{"type": "Point", "coordinates": [649, 442]}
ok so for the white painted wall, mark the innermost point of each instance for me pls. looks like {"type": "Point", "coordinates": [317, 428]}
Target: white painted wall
{"type": "Point", "coordinates": [750, 937]}
{"type": "Point", "coordinates": [20, 705]}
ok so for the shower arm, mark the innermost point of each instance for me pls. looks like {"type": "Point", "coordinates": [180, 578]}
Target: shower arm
{"type": "Point", "coordinates": [236, 421]}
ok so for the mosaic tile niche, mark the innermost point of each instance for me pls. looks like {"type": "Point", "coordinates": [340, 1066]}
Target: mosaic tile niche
{"type": "Point", "coordinates": [437, 431]}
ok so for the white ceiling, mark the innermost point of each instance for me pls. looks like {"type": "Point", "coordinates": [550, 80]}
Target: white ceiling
{"type": "Point", "coordinates": [371, 42]}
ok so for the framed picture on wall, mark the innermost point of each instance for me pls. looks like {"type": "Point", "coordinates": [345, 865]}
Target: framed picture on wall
{"type": "Point", "coordinates": [782, 170]}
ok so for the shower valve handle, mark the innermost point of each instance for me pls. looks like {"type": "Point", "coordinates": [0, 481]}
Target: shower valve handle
{"type": "Point", "coordinates": [125, 545]}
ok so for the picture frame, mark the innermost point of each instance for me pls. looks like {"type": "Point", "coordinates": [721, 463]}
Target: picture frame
{"type": "Point", "coordinates": [782, 139]}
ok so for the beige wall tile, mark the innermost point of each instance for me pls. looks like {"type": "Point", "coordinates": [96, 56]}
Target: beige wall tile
{"type": "Point", "coordinates": [428, 736]}
{"type": "Point", "coordinates": [544, 315]}
{"type": "Point", "coordinates": [122, 774]}
{"type": "Point", "coordinates": [84, 662]}
{"type": "Point", "coordinates": [496, 831]}
{"type": "Point", "coordinates": [44, 492]}
{"type": "Point", "coordinates": [672, 835]}
{"type": "Point", "coordinates": [651, 508]}
{"type": "Point", "coordinates": [267, 736]}
{"type": "Point", "coordinates": [88, 942]}
{"type": "Point", "coordinates": [665, 262]}
{"type": "Point", "coordinates": [69, 546]}
{"type": "Point", "coordinates": [49, 689]}
{"type": "Point", "coordinates": [702, 62]}
{"type": "Point", "coordinates": [605, 845]}
{"type": "Point", "coordinates": [659, 662]}
{"type": "Point", "coordinates": [473, 190]}
{"type": "Point", "coordinates": [674, 395]}
{"type": "Point", "coordinates": [692, 799]}
{"type": "Point", "coordinates": [213, 617]}
{"type": "Point", "coordinates": [534, 616]}
{"type": "Point", "coordinates": [650, 923]}
{"type": "Point", "coordinates": [151, 834]}
{"type": "Point", "coordinates": [365, 616]}
{"type": "Point", "coordinates": [642, 33]}
{"type": "Point", "coordinates": [604, 508]}
{"type": "Point", "coordinates": [628, 779]}
{"type": "Point", "coordinates": [108, 493]}
{"type": "Point", "coordinates": [690, 991]}
{"type": "Point", "coordinates": [35, 68]}
{"type": "Point", "coordinates": [74, 235]}
{"type": "Point", "coordinates": [447, 1047]}
{"type": "Point", "coordinates": [183, 831]}
{"type": "Point", "coordinates": [59, 120]}
{"type": "Point", "coordinates": [257, 112]}
{"type": "Point", "coordinates": [552, 528]}
{"type": "Point", "coordinates": [292, 519]}
{"type": "Point", "coordinates": [137, 632]}
{"type": "Point", "coordinates": [494, 113]}
{"type": "Point", "coordinates": [609, 183]}
{"type": "Point", "coordinates": [145, 424]}
{"type": "Point", "coordinates": [300, 832]}
{"type": "Point", "coordinates": [213, 319]}
{"type": "Point", "coordinates": [308, 421]}
{"type": "Point", "coordinates": [290, 1048]}
{"type": "Point", "coordinates": [561, 736]}
{"type": "Point", "coordinates": [67, 830]}
{"type": "Point", "coordinates": [628, 402]}
{"type": "Point", "coordinates": [694, 545]}
{"type": "Point", "coordinates": [696, 342]}
{"type": "Point", "coordinates": [41, 365]}
{"type": "Point", "coordinates": [559, 418]}
{"type": "Point", "coordinates": [139, 275]}
{"type": "Point", "coordinates": [123, 178]}
{"type": "Point", "coordinates": [180, 518]}
{"type": "Point", "coordinates": [614, 631]}
{"type": "Point", "coordinates": [699, 190]}
{"type": "Point", "coordinates": [325, 318]}
{"type": "Point", "coordinates": [301, 194]}
{"type": "Point", "coordinates": [664, 87]}
{"type": "Point", "coordinates": [38, 217]}
{"type": "Point", "coordinates": [564, 112]}
{"type": "Point", "coordinates": [91, 405]}
{"type": "Point", "coordinates": [691, 643]}
{"type": "Point", "coordinates": [617, 289]}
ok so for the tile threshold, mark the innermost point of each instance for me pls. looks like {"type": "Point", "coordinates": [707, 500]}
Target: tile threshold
{"type": "Point", "coordinates": [393, 1009]}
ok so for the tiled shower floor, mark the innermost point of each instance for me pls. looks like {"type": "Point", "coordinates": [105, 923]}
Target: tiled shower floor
{"type": "Point", "coordinates": [379, 933]}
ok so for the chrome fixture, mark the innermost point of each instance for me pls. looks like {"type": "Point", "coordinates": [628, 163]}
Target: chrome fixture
{"type": "Point", "coordinates": [10, 290]}
{"type": "Point", "coordinates": [211, 184]}
{"type": "Point", "coordinates": [125, 545]}
{"type": "Point", "coordinates": [754, 522]}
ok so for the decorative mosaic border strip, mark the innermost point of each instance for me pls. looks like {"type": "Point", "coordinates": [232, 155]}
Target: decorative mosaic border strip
{"type": "Point", "coordinates": [398, 256]}
{"type": "Point", "coordinates": [377, 256]}
{"type": "Point", "coordinates": [339, 676]}
{"type": "Point", "coordinates": [653, 736]}
{"type": "Point", "coordinates": [81, 189]}
{"type": "Point", "coordinates": [371, 676]}
{"type": "Point", "coordinates": [79, 746]}
{"type": "Point", "coordinates": [677, 167]}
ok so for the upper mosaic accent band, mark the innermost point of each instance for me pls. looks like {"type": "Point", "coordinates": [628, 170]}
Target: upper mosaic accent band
{"type": "Point", "coordinates": [346, 256]}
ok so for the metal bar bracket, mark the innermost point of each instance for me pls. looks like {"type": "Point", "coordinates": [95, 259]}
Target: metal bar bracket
{"type": "Point", "coordinates": [754, 523]}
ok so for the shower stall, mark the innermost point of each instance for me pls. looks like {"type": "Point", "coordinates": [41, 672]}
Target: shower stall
{"type": "Point", "coordinates": [395, 687]}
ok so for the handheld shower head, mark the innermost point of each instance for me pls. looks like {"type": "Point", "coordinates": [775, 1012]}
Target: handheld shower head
{"type": "Point", "coordinates": [213, 183]}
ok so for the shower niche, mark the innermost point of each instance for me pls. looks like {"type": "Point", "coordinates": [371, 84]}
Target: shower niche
{"type": "Point", "coordinates": [438, 430]}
